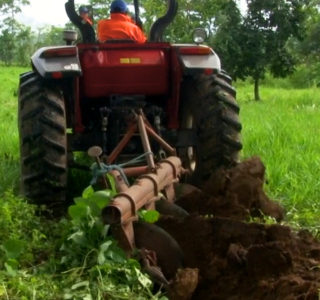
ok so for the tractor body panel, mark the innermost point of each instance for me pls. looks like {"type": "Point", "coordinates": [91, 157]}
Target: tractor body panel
{"type": "Point", "coordinates": [130, 69]}
{"type": "Point", "coordinates": [101, 71]}
{"type": "Point", "coordinates": [201, 62]}
{"type": "Point", "coordinates": [198, 57]}
{"type": "Point", "coordinates": [57, 62]}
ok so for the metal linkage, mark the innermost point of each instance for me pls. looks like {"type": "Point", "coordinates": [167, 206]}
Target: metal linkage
{"type": "Point", "coordinates": [145, 129]}
{"type": "Point", "coordinates": [155, 181]}
{"type": "Point", "coordinates": [145, 141]}
{"type": "Point", "coordinates": [143, 193]}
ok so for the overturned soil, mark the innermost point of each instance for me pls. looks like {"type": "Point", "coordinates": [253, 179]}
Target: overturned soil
{"type": "Point", "coordinates": [233, 257]}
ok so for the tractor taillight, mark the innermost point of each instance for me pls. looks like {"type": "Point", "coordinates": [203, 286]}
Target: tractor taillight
{"type": "Point", "coordinates": [195, 50]}
{"type": "Point", "coordinates": [59, 52]}
{"type": "Point", "coordinates": [56, 75]}
{"type": "Point", "coordinates": [208, 71]}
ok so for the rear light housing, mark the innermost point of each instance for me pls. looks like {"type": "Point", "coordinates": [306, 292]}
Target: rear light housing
{"type": "Point", "coordinates": [59, 52]}
{"type": "Point", "coordinates": [56, 75]}
{"type": "Point", "coordinates": [195, 50]}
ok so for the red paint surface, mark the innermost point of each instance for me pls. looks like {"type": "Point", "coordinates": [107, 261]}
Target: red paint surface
{"type": "Point", "coordinates": [127, 71]}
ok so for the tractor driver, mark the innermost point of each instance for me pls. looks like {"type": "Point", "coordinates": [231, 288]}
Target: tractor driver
{"type": "Point", "coordinates": [120, 26]}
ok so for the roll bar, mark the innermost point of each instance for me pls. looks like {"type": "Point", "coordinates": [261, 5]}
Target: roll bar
{"type": "Point", "coordinates": [137, 13]}
{"type": "Point", "coordinates": [159, 26]}
{"type": "Point", "coordinates": [156, 32]}
{"type": "Point", "coordinates": [86, 30]}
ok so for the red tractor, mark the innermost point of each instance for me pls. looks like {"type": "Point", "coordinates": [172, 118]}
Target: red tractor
{"type": "Point", "coordinates": [88, 94]}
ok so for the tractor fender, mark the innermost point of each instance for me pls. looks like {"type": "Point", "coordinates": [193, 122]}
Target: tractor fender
{"type": "Point", "coordinates": [201, 61]}
{"type": "Point", "coordinates": [57, 62]}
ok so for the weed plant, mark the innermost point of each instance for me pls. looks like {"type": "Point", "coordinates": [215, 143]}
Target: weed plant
{"type": "Point", "coordinates": [74, 258]}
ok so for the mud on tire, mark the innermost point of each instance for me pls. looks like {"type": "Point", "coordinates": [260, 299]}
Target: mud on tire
{"type": "Point", "coordinates": [42, 131]}
{"type": "Point", "coordinates": [208, 105]}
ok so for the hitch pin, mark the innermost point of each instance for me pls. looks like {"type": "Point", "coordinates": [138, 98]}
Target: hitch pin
{"type": "Point", "coordinates": [95, 153]}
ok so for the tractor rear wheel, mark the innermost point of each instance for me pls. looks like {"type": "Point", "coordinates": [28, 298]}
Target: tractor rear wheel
{"type": "Point", "coordinates": [43, 141]}
{"type": "Point", "coordinates": [209, 107]}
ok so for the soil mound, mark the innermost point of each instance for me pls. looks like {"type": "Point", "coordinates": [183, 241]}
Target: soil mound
{"type": "Point", "coordinates": [237, 259]}
{"type": "Point", "coordinates": [235, 193]}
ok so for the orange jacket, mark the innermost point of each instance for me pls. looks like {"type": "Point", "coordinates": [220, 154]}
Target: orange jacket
{"type": "Point", "coordinates": [119, 27]}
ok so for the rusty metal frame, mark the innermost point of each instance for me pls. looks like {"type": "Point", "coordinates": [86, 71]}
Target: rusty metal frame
{"type": "Point", "coordinates": [143, 193]}
{"type": "Point", "coordinates": [145, 130]}
{"type": "Point", "coordinates": [124, 141]}
{"type": "Point", "coordinates": [155, 180]}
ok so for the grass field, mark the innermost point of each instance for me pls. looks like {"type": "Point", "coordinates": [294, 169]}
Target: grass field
{"type": "Point", "coordinates": [283, 130]}
{"type": "Point", "coordinates": [9, 149]}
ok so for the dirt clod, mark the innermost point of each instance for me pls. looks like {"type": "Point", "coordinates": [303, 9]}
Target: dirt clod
{"type": "Point", "coordinates": [184, 284]}
{"type": "Point", "coordinates": [237, 259]}
{"type": "Point", "coordinates": [236, 193]}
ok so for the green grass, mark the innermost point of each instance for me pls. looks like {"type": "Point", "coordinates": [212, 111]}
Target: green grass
{"type": "Point", "coordinates": [9, 150]}
{"type": "Point", "coordinates": [283, 129]}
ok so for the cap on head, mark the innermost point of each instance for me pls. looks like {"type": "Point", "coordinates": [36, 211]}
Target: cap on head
{"type": "Point", "coordinates": [83, 10]}
{"type": "Point", "coordinates": [118, 6]}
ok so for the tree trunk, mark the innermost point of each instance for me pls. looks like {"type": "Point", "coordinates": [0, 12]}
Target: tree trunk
{"type": "Point", "coordinates": [256, 89]}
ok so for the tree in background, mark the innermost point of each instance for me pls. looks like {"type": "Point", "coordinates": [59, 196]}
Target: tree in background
{"type": "Point", "coordinates": [191, 14]}
{"type": "Point", "coordinates": [101, 9]}
{"type": "Point", "coordinates": [264, 34]}
{"type": "Point", "coordinates": [48, 36]}
{"type": "Point", "coordinates": [226, 40]}
{"type": "Point", "coordinates": [10, 29]}
{"type": "Point", "coordinates": [307, 51]}
{"type": "Point", "coordinates": [17, 41]}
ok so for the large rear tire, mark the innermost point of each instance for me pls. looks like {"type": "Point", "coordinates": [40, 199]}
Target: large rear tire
{"type": "Point", "coordinates": [43, 141]}
{"type": "Point", "coordinates": [208, 106]}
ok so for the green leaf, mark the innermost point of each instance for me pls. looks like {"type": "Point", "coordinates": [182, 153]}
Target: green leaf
{"type": "Point", "coordinates": [2, 291]}
{"type": "Point", "coordinates": [67, 296]}
{"type": "Point", "coordinates": [81, 201]}
{"type": "Point", "coordinates": [79, 238]}
{"type": "Point", "coordinates": [88, 192]}
{"type": "Point", "coordinates": [105, 246]}
{"type": "Point", "coordinates": [13, 248]}
{"type": "Point", "coordinates": [11, 266]}
{"type": "Point", "coordinates": [101, 258]}
{"type": "Point", "coordinates": [133, 263]}
{"type": "Point", "coordinates": [80, 285]}
{"type": "Point", "coordinates": [77, 212]}
{"type": "Point", "coordinates": [149, 216]}
{"type": "Point", "coordinates": [101, 198]}
{"type": "Point", "coordinates": [116, 255]}
{"type": "Point", "coordinates": [143, 279]}
{"type": "Point", "coordinates": [112, 184]}
{"type": "Point", "coordinates": [105, 230]}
